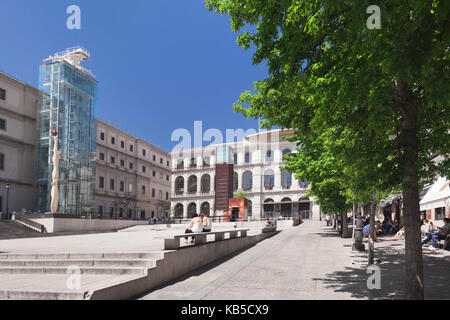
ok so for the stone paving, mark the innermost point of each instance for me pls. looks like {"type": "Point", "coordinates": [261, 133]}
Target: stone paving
{"type": "Point", "coordinates": [306, 262]}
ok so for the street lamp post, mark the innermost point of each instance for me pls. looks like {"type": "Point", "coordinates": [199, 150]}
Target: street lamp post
{"type": "Point", "coordinates": [7, 200]}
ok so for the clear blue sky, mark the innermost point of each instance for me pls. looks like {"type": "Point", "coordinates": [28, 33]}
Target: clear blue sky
{"type": "Point", "coordinates": [161, 64]}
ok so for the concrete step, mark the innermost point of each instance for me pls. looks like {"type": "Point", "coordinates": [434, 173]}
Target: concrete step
{"type": "Point", "coordinates": [80, 256]}
{"type": "Point", "coordinates": [83, 270]}
{"type": "Point", "coordinates": [80, 263]}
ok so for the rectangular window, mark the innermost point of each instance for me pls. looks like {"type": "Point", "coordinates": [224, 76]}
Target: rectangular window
{"type": "Point", "coordinates": [122, 163]}
{"type": "Point", "coordinates": [113, 160]}
{"type": "Point", "coordinates": [2, 124]}
{"type": "Point", "coordinates": [153, 193]}
{"type": "Point", "coordinates": [143, 190]}
{"type": "Point", "coordinates": [113, 140]}
{"type": "Point", "coordinates": [112, 184]}
{"type": "Point", "coordinates": [2, 161]}
{"type": "Point", "coordinates": [130, 165]}
{"type": "Point", "coordinates": [154, 173]}
{"type": "Point", "coordinates": [122, 186]}
{"type": "Point", "coordinates": [144, 152]}
{"type": "Point", "coordinates": [122, 144]}
{"type": "Point", "coordinates": [144, 169]}
{"type": "Point", "coordinates": [102, 136]}
{"type": "Point", "coordinates": [101, 182]}
{"type": "Point", "coordinates": [2, 94]}
{"type": "Point", "coordinates": [102, 156]}
{"type": "Point", "coordinates": [131, 147]}
{"type": "Point", "coordinates": [168, 164]}
{"type": "Point", "coordinates": [161, 161]}
{"type": "Point", "coordinates": [167, 196]}
{"type": "Point", "coordinates": [167, 177]}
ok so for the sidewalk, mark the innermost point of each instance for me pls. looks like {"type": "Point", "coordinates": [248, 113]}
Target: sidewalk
{"type": "Point", "coordinates": [306, 262]}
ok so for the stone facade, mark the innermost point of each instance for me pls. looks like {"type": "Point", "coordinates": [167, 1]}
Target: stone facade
{"type": "Point", "coordinates": [18, 109]}
{"type": "Point", "coordinates": [257, 160]}
{"type": "Point", "coordinates": [132, 176]}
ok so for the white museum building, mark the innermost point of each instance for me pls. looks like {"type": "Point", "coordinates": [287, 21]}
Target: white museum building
{"type": "Point", "coordinates": [256, 166]}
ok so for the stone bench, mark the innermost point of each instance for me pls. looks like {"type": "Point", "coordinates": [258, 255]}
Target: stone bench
{"type": "Point", "coordinates": [200, 238]}
{"type": "Point", "coordinates": [268, 229]}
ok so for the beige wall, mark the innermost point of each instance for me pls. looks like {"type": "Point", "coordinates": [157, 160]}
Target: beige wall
{"type": "Point", "coordinates": [17, 143]}
{"type": "Point", "coordinates": [138, 200]}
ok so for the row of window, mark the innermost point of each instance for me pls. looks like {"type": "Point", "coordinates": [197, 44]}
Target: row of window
{"type": "Point", "coordinates": [247, 182]}
{"type": "Point", "coordinates": [121, 213]}
{"type": "Point", "coordinates": [112, 187]}
{"type": "Point", "coordinates": [131, 148]}
{"type": "Point", "coordinates": [112, 160]}
{"type": "Point", "coordinates": [247, 159]}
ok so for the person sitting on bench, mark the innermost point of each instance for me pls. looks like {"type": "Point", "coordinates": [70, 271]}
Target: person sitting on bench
{"type": "Point", "coordinates": [440, 235]}
{"type": "Point", "coordinates": [207, 225]}
{"type": "Point", "coordinates": [195, 226]}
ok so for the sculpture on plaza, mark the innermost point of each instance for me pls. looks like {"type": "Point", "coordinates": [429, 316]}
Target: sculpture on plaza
{"type": "Point", "coordinates": [55, 174]}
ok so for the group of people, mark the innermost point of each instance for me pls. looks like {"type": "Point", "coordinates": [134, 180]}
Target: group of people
{"type": "Point", "coordinates": [435, 234]}
{"type": "Point", "coordinates": [199, 223]}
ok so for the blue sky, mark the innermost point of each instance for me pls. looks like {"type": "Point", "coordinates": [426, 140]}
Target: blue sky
{"type": "Point", "coordinates": [161, 64]}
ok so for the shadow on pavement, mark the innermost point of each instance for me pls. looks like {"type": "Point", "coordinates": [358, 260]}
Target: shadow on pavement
{"type": "Point", "coordinates": [354, 279]}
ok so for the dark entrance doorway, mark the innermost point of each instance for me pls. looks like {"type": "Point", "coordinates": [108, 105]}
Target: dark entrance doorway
{"type": "Point", "coordinates": [235, 214]}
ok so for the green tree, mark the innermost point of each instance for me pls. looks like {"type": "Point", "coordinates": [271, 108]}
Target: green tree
{"type": "Point", "coordinates": [240, 194]}
{"type": "Point", "coordinates": [388, 86]}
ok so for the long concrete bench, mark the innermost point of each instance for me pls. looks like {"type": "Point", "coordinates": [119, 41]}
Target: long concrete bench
{"type": "Point", "coordinates": [200, 238]}
{"type": "Point", "coordinates": [268, 229]}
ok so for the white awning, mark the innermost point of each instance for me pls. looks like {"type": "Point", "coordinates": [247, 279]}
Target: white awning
{"type": "Point", "coordinates": [438, 196]}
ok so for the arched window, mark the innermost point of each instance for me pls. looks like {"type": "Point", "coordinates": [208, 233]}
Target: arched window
{"type": "Point", "coordinates": [286, 207]}
{"type": "Point", "coordinates": [286, 179]}
{"type": "Point", "coordinates": [192, 185]}
{"type": "Point", "coordinates": [248, 157]}
{"type": "Point", "coordinates": [193, 162]}
{"type": "Point", "coordinates": [179, 211]}
{"type": "Point", "coordinates": [249, 208]}
{"type": "Point", "coordinates": [285, 152]}
{"type": "Point", "coordinates": [235, 181]}
{"type": "Point", "coordinates": [247, 180]}
{"type": "Point", "coordinates": [302, 184]}
{"type": "Point", "coordinates": [269, 179]}
{"type": "Point", "coordinates": [269, 208]}
{"type": "Point", "coordinates": [179, 185]}
{"type": "Point", "coordinates": [206, 183]}
{"type": "Point", "coordinates": [192, 209]}
{"type": "Point", "coordinates": [269, 155]}
{"type": "Point", "coordinates": [205, 208]}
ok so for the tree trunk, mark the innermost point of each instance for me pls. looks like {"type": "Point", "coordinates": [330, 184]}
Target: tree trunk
{"type": "Point", "coordinates": [414, 286]}
{"type": "Point", "coordinates": [358, 242]}
{"type": "Point", "coordinates": [373, 207]}
{"type": "Point", "coordinates": [344, 223]}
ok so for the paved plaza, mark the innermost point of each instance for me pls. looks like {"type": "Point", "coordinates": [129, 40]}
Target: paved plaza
{"type": "Point", "coordinates": [306, 262]}
{"type": "Point", "coordinates": [309, 261]}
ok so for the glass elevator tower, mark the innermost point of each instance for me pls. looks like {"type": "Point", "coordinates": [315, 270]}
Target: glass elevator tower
{"type": "Point", "coordinates": [67, 104]}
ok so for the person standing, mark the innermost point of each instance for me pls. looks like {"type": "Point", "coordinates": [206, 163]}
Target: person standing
{"type": "Point", "coordinates": [327, 218]}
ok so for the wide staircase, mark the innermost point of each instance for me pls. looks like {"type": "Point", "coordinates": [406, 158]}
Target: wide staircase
{"type": "Point", "coordinates": [10, 229]}
{"type": "Point", "coordinates": [69, 276]}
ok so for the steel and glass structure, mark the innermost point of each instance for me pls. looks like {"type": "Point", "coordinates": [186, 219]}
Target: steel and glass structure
{"type": "Point", "coordinates": [68, 104]}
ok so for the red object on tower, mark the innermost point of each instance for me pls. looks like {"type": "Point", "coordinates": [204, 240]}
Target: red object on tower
{"type": "Point", "coordinates": [54, 133]}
